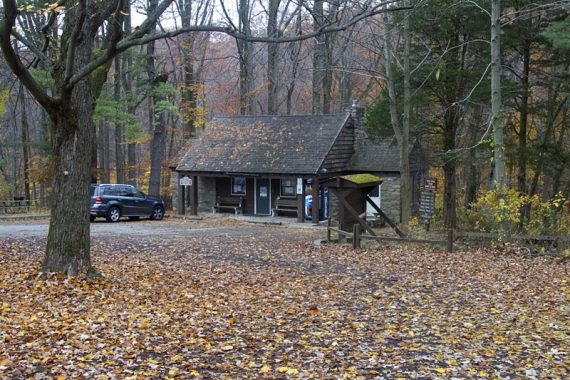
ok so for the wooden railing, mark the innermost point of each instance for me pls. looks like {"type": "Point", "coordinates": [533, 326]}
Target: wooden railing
{"type": "Point", "coordinates": [357, 236]}
{"type": "Point", "coordinates": [16, 205]}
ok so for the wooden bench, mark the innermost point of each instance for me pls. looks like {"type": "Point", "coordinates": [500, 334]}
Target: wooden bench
{"type": "Point", "coordinates": [229, 203]}
{"type": "Point", "coordinates": [19, 204]}
{"type": "Point", "coordinates": [285, 205]}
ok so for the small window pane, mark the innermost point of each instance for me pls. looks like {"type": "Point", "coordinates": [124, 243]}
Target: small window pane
{"type": "Point", "coordinates": [288, 187]}
{"type": "Point", "coordinates": [238, 186]}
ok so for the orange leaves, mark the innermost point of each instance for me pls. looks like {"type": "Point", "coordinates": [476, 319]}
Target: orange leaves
{"type": "Point", "coordinates": [226, 303]}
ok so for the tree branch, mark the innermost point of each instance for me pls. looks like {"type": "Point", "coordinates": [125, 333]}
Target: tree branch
{"type": "Point", "coordinates": [72, 44]}
{"type": "Point", "coordinates": [29, 45]}
{"type": "Point", "coordinates": [14, 62]}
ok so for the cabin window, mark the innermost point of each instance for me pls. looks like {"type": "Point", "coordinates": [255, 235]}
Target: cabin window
{"type": "Point", "coordinates": [288, 187]}
{"type": "Point", "coordinates": [238, 185]}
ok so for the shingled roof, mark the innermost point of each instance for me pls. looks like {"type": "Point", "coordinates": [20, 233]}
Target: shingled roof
{"type": "Point", "coordinates": [373, 156]}
{"type": "Point", "coordinates": [264, 144]}
{"type": "Point", "coordinates": [290, 145]}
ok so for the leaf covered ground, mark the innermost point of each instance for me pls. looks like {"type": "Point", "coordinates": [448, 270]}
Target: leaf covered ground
{"type": "Point", "coordinates": [277, 307]}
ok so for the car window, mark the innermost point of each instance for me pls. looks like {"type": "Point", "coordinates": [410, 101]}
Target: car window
{"type": "Point", "coordinates": [109, 190]}
{"type": "Point", "coordinates": [93, 190]}
{"type": "Point", "coordinates": [138, 194]}
{"type": "Point", "coordinates": [125, 191]}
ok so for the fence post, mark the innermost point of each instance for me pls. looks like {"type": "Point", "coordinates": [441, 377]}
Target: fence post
{"type": "Point", "coordinates": [329, 230]}
{"type": "Point", "coordinates": [450, 240]}
{"type": "Point", "coordinates": [356, 236]}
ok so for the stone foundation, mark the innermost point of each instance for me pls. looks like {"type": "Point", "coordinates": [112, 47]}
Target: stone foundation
{"type": "Point", "coordinates": [390, 197]}
{"type": "Point", "coordinates": [206, 194]}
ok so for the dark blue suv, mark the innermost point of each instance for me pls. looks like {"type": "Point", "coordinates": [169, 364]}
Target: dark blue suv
{"type": "Point", "coordinates": [114, 201]}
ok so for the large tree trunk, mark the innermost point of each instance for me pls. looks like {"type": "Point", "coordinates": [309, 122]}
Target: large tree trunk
{"type": "Point", "coordinates": [68, 243]}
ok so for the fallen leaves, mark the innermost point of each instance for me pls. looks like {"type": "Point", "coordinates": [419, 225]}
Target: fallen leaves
{"type": "Point", "coordinates": [231, 306]}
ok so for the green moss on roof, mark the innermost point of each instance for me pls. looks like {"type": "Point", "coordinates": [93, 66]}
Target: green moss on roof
{"type": "Point", "coordinates": [360, 179]}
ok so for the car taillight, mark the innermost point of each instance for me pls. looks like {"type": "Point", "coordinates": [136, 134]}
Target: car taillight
{"type": "Point", "coordinates": [98, 200]}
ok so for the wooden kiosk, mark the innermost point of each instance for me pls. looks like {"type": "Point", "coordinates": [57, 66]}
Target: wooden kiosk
{"type": "Point", "coordinates": [352, 193]}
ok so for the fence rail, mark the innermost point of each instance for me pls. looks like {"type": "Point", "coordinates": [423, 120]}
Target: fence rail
{"type": "Point", "coordinates": [356, 235]}
{"type": "Point", "coordinates": [495, 236]}
{"type": "Point", "coordinates": [17, 205]}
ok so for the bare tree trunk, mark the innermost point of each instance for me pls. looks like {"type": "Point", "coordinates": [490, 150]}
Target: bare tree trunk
{"type": "Point", "coordinates": [245, 60]}
{"type": "Point", "coordinates": [521, 177]}
{"type": "Point", "coordinates": [449, 169]}
{"type": "Point", "coordinates": [295, 62]}
{"type": "Point", "coordinates": [346, 78]}
{"type": "Point", "coordinates": [401, 130]}
{"type": "Point", "coordinates": [188, 87]}
{"type": "Point", "coordinates": [272, 52]}
{"type": "Point", "coordinates": [497, 119]}
{"type": "Point", "coordinates": [471, 171]}
{"type": "Point", "coordinates": [103, 144]}
{"type": "Point", "coordinates": [25, 143]}
{"type": "Point", "coordinates": [131, 172]}
{"type": "Point", "coordinates": [318, 58]}
{"type": "Point", "coordinates": [119, 134]}
{"type": "Point", "coordinates": [157, 127]}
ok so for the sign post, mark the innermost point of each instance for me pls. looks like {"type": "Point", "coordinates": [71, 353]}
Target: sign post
{"type": "Point", "coordinates": [188, 182]}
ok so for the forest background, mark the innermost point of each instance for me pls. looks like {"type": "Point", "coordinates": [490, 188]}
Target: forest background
{"type": "Point", "coordinates": [424, 74]}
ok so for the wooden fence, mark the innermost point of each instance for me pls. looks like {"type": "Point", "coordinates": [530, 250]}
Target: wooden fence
{"type": "Point", "coordinates": [357, 236]}
{"type": "Point", "coordinates": [17, 205]}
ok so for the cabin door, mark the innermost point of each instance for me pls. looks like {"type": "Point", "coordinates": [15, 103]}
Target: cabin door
{"type": "Point", "coordinates": [262, 196]}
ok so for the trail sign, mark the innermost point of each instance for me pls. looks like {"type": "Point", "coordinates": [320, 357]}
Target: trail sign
{"type": "Point", "coordinates": [427, 206]}
{"type": "Point", "coordinates": [185, 181]}
{"type": "Point", "coordinates": [430, 184]}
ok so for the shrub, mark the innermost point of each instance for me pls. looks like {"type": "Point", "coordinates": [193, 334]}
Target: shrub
{"type": "Point", "coordinates": [502, 213]}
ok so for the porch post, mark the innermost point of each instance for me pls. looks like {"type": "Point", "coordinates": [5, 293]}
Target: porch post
{"type": "Point", "coordinates": [316, 211]}
{"type": "Point", "coordinates": [301, 203]}
{"type": "Point", "coordinates": [180, 201]}
{"type": "Point", "coordinates": [194, 196]}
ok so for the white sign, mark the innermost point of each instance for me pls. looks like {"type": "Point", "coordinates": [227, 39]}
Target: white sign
{"type": "Point", "coordinates": [185, 181]}
{"type": "Point", "coordinates": [299, 185]}
{"type": "Point", "coordinates": [263, 191]}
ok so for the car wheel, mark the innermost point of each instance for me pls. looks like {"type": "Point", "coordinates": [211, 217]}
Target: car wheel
{"type": "Point", "coordinates": [91, 217]}
{"type": "Point", "coordinates": [113, 215]}
{"type": "Point", "coordinates": [157, 213]}
{"type": "Point", "coordinates": [133, 218]}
